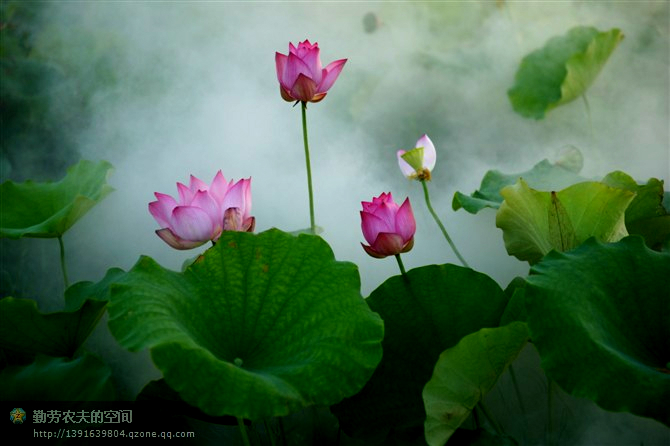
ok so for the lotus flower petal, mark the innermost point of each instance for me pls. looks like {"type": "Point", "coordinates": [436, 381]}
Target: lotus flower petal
{"type": "Point", "coordinates": [301, 75]}
{"type": "Point", "coordinates": [203, 211]}
{"type": "Point", "coordinates": [294, 68]}
{"type": "Point", "coordinates": [388, 244]}
{"type": "Point", "coordinates": [177, 243]}
{"type": "Point", "coordinates": [162, 208]}
{"type": "Point", "coordinates": [429, 153]}
{"type": "Point", "coordinates": [185, 194]}
{"type": "Point", "coordinates": [421, 162]}
{"type": "Point", "coordinates": [405, 168]}
{"type": "Point", "coordinates": [192, 223]}
{"type": "Point", "coordinates": [330, 74]}
{"type": "Point", "coordinates": [281, 60]}
{"type": "Point", "coordinates": [218, 188]}
{"type": "Point", "coordinates": [232, 219]}
{"type": "Point", "coordinates": [237, 197]}
{"type": "Point", "coordinates": [303, 89]}
{"type": "Point", "coordinates": [388, 228]}
{"type": "Point", "coordinates": [404, 221]}
{"type": "Point", "coordinates": [197, 184]}
{"type": "Point", "coordinates": [372, 225]}
{"type": "Point", "coordinates": [372, 252]}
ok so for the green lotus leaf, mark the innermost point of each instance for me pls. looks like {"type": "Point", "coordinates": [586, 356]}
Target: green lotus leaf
{"type": "Point", "coordinates": [562, 70]}
{"type": "Point", "coordinates": [534, 222]}
{"type": "Point", "coordinates": [78, 293]}
{"type": "Point", "coordinates": [159, 394]}
{"type": "Point", "coordinates": [262, 325]}
{"type": "Point", "coordinates": [481, 437]}
{"type": "Point", "coordinates": [464, 374]}
{"type": "Point", "coordinates": [516, 306]}
{"type": "Point", "coordinates": [543, 176]}
{"type": "Point", "coordinates": [85, 378]}
{"type": "Point", "coordinates": [49, 209]}
{"type": "Point", "coordinates": [599, 318]}
{"type": "Point", "coordinates": [646, 215]}
{"type": "Point", "coordinates": [429, 313]}
{"type": "Point", "coordinates": [24, 328]}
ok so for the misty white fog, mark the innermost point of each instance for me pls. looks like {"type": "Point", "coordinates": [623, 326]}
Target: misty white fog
{"type": "Point", "coordinates": [194, 90]}
{"type": "Point", "coordinates": [181, 88]}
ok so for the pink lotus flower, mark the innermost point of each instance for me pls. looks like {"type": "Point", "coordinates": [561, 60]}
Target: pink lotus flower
{"type": "Point", "coordinates": [300, 75]}
{"type": "Point", "coordinates": [418, 162]}
{"type": "Point", "coordinates": [203, 211]}
{"type": "Point", "coordinates": [388, 229]}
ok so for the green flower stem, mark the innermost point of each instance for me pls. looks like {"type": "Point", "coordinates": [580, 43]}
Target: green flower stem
{"type": "Point", "coordinates": [442, 228]}
{"type": "Point", "coordinates": [401, 266]}
{"type": "Point", "coordinates": [309, 168]}
{"type": "Point", "coordinates": [243, 431]}
{"type": "Point", "coordinates": [588, 114]}
{"type": "Point", "coordinates": [62, 261]}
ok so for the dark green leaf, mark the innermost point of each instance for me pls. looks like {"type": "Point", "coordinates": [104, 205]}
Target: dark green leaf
{"type": "Point", "coordinates": [437, 307]}
{"type": "Point", "coordinates": [645, 215]}
{"type": "Point", "coordinates": [480, 437]}
{"type": "Point", "coordinates": [32, 209]}
{"type": "Point", "coordinates": [599, 318]}
{"type": "Point", "coordinates": [562, 70]}
{"type": "Point", "coordinates": [24, 328]}
{"type": "Point", "coordinates": [160, 394]}
{"type": "Point", "coordinates": [99, 291]}
{"type": "Point", "coordinates": [86, 378]}
{"type": "Point", "coordinates": [543, 176]}
{"type": "Point", "coordinates": [534, 222]}
{"type": "Point", "coordinates": [261, 326]}
{"type": "Point", "coordinates": [465, 373]}
{"type": "Point", "coordinates": [516, 306]}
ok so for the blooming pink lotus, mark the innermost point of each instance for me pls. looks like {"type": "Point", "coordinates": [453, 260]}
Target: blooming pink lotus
{"type": "Point", "coordinates": [418, 162]}
{"type": "Point", "coordinates": [300, 75]}
{"type": "Point", "coordinates": [203, 211]}
{"type": "Point", "coordinates": [388, 228]}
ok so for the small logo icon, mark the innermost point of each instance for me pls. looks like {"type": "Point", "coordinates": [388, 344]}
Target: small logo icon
{"type": "Point", "coordinates": [17, 415]}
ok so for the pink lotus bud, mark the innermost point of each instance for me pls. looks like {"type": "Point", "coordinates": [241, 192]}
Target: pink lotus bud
{"type": "Point", "coordinates": [388, 229]}
{"type": "Point", "coordinates": [300, 75]}
{"type": "Point", "coordinates": [203, 211]}
{"type": "Point", "coordinates": [418, 162]}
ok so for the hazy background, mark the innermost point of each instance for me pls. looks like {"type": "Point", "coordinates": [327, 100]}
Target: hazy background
{"type": "Point", "coordinates": [189, 88]}
{"type": "Point", "coordinates": [179, 88]}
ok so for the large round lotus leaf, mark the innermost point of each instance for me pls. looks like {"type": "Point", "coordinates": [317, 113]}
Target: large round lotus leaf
{"type": "Point", "coordinates": [599, 318]}
{"type": "Point", "coordinates": [562, 70]}
{"type": "Point", "coordinates": [260, 326]}
{"type": "Point", "coordinates": [535, 222]}
{"type": "Point", "coordinates": [32, 209]}
{"type": "Point", "coordinates": [543, 176]}
{"type": "Point", "coordinates": [423, 316]}
{"type": "Point", "coordinates": [85, 378]}
{"type": "Point", "coordinates": [465, 373]}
